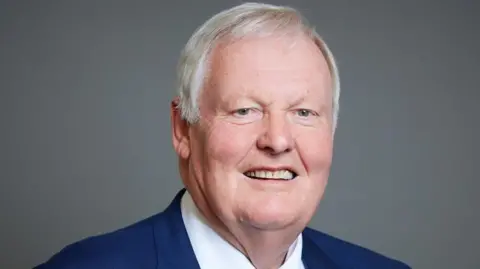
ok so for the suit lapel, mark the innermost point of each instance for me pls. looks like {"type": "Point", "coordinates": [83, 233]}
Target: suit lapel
{"type": "Point", "coordinates": [313, 257]}
{"type": "Point", "coordinates": [173, 245]}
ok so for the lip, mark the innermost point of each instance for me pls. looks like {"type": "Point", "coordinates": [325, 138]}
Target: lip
{"type": "Point", "coordinates": [272, 169]}
{"type": "Point", "coordinates": [270, 185]}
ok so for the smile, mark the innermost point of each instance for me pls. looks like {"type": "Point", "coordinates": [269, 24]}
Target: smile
{"type": "Point", "coordinates": [268, 174]}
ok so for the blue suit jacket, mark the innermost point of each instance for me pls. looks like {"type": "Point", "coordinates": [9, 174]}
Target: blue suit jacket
{"type": "Point", "coordinates": [161, 242]}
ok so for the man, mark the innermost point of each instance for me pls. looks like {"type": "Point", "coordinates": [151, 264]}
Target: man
{"type": "Point", "coordinates": [253, 128]}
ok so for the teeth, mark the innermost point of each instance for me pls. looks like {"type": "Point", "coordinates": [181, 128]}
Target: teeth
{"type": "Point", "coordinates": [262, 174]}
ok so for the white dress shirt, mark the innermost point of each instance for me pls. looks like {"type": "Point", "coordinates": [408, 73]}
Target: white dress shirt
{"type": "Point", "coordinates": [213, 252]}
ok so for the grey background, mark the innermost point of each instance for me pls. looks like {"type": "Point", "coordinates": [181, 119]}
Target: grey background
{"type": "Point", "coordinates": [85, 135]}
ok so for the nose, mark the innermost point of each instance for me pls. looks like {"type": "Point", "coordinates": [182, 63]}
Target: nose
{"type": "Point", "coordinates": [276, 137]}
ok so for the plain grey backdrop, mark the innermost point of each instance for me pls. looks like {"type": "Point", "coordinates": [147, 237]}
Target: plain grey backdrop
{"type": "Point", "coordinates": [85, 142]}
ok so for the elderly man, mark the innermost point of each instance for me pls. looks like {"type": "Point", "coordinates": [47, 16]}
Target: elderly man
{"type": "Point", "coordinates": [253, 128]}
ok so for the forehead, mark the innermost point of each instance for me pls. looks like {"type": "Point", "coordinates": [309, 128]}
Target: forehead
{"type": "Point", "coordinates": [267, 63]}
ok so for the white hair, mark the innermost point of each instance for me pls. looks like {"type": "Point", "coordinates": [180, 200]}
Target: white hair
{"type": "Point", "coordinates": [243, 20]}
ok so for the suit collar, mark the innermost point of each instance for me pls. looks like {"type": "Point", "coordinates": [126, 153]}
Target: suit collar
{"type": "Point", "coordinates": [173, 245]}
{"type": "Point", "coordinates": [314, 257]}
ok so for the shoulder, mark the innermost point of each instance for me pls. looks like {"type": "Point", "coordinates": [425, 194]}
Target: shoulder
{"type": "Point", "coordinates": [349, 255]}
{"type": "Point", "coordinates": [129, 247]}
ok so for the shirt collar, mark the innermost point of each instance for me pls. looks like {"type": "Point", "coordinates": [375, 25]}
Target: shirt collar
{"type": "Point", "coordinates": [213, 252]}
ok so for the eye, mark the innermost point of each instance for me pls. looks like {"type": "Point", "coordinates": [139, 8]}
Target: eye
{"type": "Point", "coordinates": [245, 115]}
{"type": "Point", "coordinates": [242, 111]}
{"type": "Point", "coordinates": [304, 113]}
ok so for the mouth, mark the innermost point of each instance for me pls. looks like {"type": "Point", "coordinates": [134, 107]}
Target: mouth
{"type": "Point", "coordinates": [278, 174]}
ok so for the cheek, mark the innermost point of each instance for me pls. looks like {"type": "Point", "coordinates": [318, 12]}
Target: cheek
{"type": "Point", "coordinates": [228, 144]}
{"type": "Point", "coordinates": [316, 150]}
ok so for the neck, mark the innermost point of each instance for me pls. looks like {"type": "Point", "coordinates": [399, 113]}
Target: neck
{"type": "Point", "coordinates": [265, 249]}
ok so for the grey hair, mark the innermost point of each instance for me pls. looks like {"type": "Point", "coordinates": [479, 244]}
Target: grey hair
{"type": "Point", "coordinates": [237, 22]}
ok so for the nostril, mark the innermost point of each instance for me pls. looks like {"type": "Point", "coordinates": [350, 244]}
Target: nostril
{"type": "Point", "coordinates": [276, 151]}
{"type": "Point", "coordinates": [274, 144]}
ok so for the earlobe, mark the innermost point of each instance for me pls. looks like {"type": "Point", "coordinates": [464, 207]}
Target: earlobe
{"type": "Point", "coordinates": [180, 138]}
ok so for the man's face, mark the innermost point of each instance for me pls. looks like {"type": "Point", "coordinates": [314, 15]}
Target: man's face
{"type": "Point", "coordinates": [262, 151]}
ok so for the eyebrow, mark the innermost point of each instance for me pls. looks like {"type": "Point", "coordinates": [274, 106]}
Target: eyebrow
{"type": "Point", "coordinates": [297, 101]}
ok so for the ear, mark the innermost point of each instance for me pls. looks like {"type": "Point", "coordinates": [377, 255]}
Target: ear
{"type": "Point", "coordinates": [180, 138]}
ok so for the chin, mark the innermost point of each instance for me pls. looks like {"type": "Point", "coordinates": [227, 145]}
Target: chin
{"type": "Point", "coordinates": [269, 217]}
{"type": "Point", "coordinates": [270, 225]}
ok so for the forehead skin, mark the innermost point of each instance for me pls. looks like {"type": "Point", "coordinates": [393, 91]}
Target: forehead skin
{"type": "Point", "coordinates": [266, 67]}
